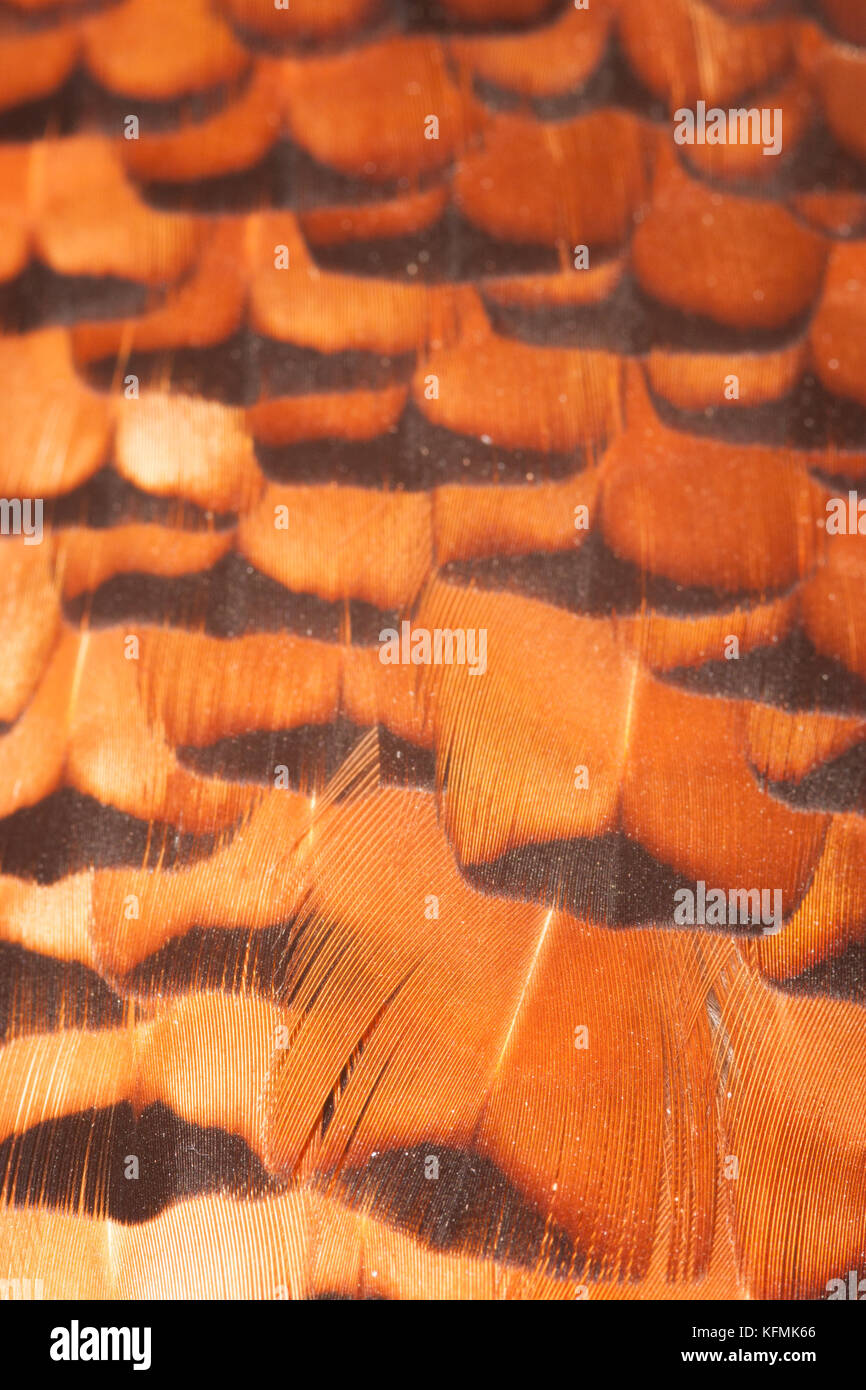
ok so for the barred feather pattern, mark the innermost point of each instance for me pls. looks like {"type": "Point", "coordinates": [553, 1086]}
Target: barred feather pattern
{"type": "Point", "coordinates": [329, 968]}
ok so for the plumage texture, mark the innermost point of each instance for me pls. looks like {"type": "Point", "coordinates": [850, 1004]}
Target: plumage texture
{"type": "Point", "coordinates": [323, 976]}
